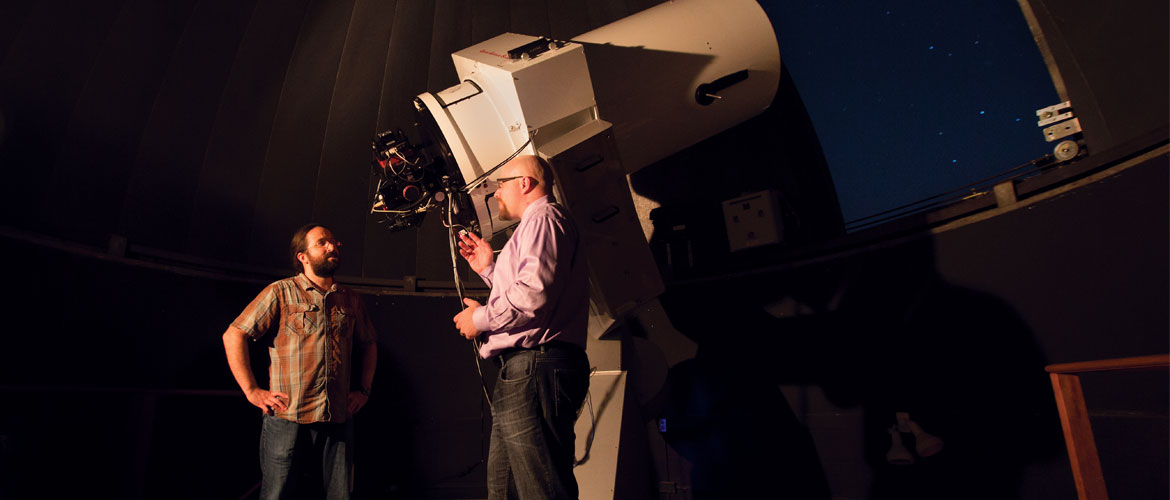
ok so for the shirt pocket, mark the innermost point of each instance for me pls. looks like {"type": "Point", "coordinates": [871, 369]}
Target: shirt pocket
{"type": "Point", "coordinates": [299, 318]}
{"type": "Point", "coordinates": [343, 321]}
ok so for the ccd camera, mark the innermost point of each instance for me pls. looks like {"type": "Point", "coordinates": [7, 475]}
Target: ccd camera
{"type": "Point", "coordinates": [412, 180]}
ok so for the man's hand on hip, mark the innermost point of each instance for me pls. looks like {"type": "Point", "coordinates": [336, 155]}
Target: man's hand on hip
{"type": "Point", "coordinates": [356, 401]}
{"type": "Point", "coordinates": [267, 400]}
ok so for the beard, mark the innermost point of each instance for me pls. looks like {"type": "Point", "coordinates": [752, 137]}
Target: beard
{"type": "Point", "coordinates": [503, 213]}
{"type": "Point", "coordinates": [324, 267]}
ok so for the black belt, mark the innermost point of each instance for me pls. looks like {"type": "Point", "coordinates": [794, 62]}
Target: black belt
{"type": "Point", "coordinates": [552, 345]}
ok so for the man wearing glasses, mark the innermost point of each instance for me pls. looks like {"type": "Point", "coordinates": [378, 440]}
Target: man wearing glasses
{"type": "Point", "coordinates": [317, 328]}
{"type": "Point", "coordinates": [534, 322]}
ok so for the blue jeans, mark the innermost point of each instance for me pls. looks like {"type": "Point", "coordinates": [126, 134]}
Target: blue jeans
{"type": "Point", "coordinates": [535, 404]}
{"type": "Point", "coordinates": [298, 458]}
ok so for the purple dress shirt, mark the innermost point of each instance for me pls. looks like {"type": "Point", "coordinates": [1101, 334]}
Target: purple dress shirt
{"type": "Point", "coordinates": [540, 287]}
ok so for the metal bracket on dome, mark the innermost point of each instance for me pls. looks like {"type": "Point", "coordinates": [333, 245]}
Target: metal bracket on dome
{"type": "Point", "coordinates": [1059, 122]}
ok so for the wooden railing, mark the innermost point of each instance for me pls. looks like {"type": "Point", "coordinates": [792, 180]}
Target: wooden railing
{"type": "Point", "coordinates": [1074, 417]}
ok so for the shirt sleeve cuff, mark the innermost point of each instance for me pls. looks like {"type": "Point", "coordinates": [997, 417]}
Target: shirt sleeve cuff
{"type": "Point", "coordinates": [249, 332]}
{"type": "Point", "coordinates": [479, 319]}
{"type": "Point", "coordinates": [487, 273]}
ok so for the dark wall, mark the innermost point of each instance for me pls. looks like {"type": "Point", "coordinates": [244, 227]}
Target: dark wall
{"type": "Point", "coordinates": [1054, 259]}
{"type": "Point", "coordinates": [1089, 274]}
{"type": "Point", "coordinates": [955, 327]}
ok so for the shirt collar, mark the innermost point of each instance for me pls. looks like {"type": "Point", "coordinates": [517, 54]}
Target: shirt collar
{"type": "Point", "coordinates": [308, 284]}
{"type": "Point", "coordinates": [536, 204]}
{"type": "Point", "coordinates": [305, 282]}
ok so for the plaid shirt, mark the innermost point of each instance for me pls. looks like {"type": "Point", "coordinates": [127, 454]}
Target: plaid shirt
{"type": "Point", "coordinates": [310, 355]}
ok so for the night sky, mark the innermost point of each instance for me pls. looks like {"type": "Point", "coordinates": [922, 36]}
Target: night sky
{"type": "Point", "coordinates": [914, 99]}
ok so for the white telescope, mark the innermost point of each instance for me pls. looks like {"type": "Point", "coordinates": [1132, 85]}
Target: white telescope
{"type": "Point", "coordinates": [600, 106]}
{"type": "Point", "coordinates": [597, 108]}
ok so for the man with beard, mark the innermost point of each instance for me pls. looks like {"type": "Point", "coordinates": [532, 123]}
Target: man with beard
{"type": "Point", "coordinates": [535, 323]}
{"type": "Point", "coordinates": [318, 327]}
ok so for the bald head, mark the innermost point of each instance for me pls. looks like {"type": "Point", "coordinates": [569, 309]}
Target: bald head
{"type": "Point", "coordinates": [530, 166]}
{"type": "Point", "coordinates": [524, 180]}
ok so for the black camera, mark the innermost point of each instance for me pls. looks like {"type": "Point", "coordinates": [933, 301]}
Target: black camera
{"type": "Point", "coordinates": [408, 180]}
{"type": "Point", "coordinates": [413, 180]}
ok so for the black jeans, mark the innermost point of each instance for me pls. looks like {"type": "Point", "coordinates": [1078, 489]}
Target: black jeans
{"type": "Point", "coordinates": [535, 404]}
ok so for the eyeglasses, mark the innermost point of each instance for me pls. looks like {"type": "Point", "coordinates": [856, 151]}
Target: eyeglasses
{"type": "Point", "coordinates": [321, 243]}
{"type": "Point", "coordinates": [502, 180]}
